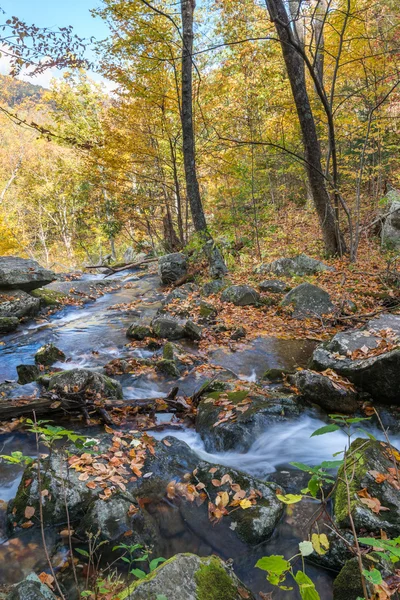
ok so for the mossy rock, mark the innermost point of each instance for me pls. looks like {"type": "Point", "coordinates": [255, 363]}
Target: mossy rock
{"type": "Point", "coordinates": [189, 577]}
{"type": "Point", "coordinates": [8, 324]}
{"type": "Point", "coordinates": [168, 351]}
{"type": "Point", "coordinates": [168, 367]}
{"type": "Point", "coordinates": [139, 331]}
{"type": "Point", "coordinates": [88, 382]}
{"type": "Point", "coordinates": [49, 297]}
{"type": "Point", "coordinates": [207, 310]}
{"type": "Point", "coordinates": [366, 458]}
{"type": "Point", "coordinates": [276, 374]}
{"type": "Point", "coordinates": [49, 354]}
{"type": "Point", "coordinates": [27, 373]}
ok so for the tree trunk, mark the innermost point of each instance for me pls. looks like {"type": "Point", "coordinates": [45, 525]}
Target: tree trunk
{"type": "Point", "coordinates": [296, 73]}
{"type": "Point", "coordinates": [217, 264]}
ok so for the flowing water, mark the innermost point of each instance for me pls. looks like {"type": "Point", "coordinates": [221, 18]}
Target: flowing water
{"type": "Point", "coordinates": [92, 335]}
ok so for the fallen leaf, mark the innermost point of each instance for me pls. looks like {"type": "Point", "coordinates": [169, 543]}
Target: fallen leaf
{"type": "Point", "coordinates": [29, 512]}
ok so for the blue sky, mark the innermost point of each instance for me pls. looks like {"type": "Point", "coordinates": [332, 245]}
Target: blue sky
{"type": "Point", "coordinates": [57, 13]}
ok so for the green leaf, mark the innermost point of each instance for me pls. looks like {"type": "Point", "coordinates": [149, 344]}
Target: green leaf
{"type": "Point", "coordinates": [161, 597]}
{"type": "Point", "coordinates": [314, 485]}
{"type": "Point", "coordinates": [374, 576]}
{"type": "Point", "coordinates": [306, 548]}
{"type": "Point", "coordinates": [325, 429]}
{"type": "Point", "coordinates": [138, 573]}
{"type": "Point", "coordinates": [302, 467]}
{"type": "Point", "coordinates": [306, 587]}
{"type": "Point", "coordinates": [82, 552]}
{"type": "Point", "coordinates": [155, 562]}
{"type": "Point", "coordinates": [273, 564]}
{"type": "Point", "coordinates": [331, 464]}
{"type": "Point", "coordinates": [289, 498]}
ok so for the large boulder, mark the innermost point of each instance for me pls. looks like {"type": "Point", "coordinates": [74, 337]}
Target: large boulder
{"type": "Point", "coordinates": [85, 381]}
{"type": "Point", "coordinates": [189, 577]}
{"type": "Point", "coordinates": [369, 357]}
{"type": "Point", "coordinates": [374, 493]}
{"type": "Point", "coordinates": [300, 265]}
{"type": "Point", "coordinates": [172, 267]}
{"type": "Point", "coordinates": [334, 396]}
{"type": "Point", "coordinates": [31, 588]}
{"type": "Point", "coordinates": [391, 227]}
{"type": "Point", "coordinates": [308, 300]}
{"type": "Point", "coordinates": [234, 420]}
{"type": "Point", "coordinates": [241, 295]}
{"type": "Point", "coordinates": [23, 274]}
{"type": "Point", "coordinates": [17, 303]}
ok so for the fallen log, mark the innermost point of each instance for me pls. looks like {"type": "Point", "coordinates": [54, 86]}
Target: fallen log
{"type": "Point", "coordinates": [130, 266]}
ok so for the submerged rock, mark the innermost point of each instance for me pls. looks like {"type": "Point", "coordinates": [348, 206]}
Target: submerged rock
{"type": "Point", "coordinates": [31, 589]}
{"type": "Point", "coordinates": [17, 303]}
{"type": "Point", "coordinates": [248, 418]}
{"type": "Point", "coordinates": [308, 301]}
{"type": "Point", "coordinates": [189, 577]}
{"type": "Point", "coordinates": [49, 354]}
{"type": "Point", "coordinates": [172, 267]}
{"type": "Point", "coordinates": [241, 295]}
{"type": "Point", "coordinates": [372, 465]}
{"type": "Point", "coordinates": [8, 324]}
{"type": "Point", "coordinates": [23, 274]}
{"type": "Point", "coordinates": [329, 395]}
{"type": "Point", "coordinates": [88, 382]}
{"type": "Point", "coordinates": [299, 265]}
{"type": "Point", "coordinates": [356, 354]}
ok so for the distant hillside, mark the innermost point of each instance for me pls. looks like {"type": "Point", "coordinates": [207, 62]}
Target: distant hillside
{"type": "Point", "coordinates": [14, 91]}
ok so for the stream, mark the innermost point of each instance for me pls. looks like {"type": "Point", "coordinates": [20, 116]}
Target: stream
{"type": "Point", "coordinates": [94, 334]}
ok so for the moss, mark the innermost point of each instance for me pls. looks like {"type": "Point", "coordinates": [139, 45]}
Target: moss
{"type": "Point", "coordinates": [48, 297]}
{"type": "Point", "coordinates": [168, 367]}
{"type": "Point", "coordinates": [234, 397]}
{"type": "Point", "coordinates": [8, 324]}
{"type": "Point", "coordinates": [49, 354]}
{"type": "Point", "coordinates": [341, 509]}
{"type": "Point", "coordinates": [207, 310]}
{"type": "Point", "coordinates": [168, 351]}
{"type": "Point", "coordinates": [214, 583]}
{"type": "Point", "coordinates": [138, 332]}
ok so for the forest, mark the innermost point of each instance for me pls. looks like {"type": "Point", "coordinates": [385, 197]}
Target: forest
{"type": "Point", "coordinates": [200, 301]}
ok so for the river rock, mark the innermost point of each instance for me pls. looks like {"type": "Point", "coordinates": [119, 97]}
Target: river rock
{"type": "Point", "coordinates": [23, 274]}
{"type": "Point", "coordinates": [300, 265]}
{"type": "Point", "coordinates": [308, 300]}
{"type": "Point", "coordinates": [17, 303]}
{"type": "Point", "coordinates": [31, 589]}
{"type": "Point", "coordinates": [373, 460]}
{"type": "Point", "coordinates": [347, 354]}
{"type": "Point", "coordinates": [8, 324]}
{"type": "Point", "coordinates": [27, 373]}
{"type": "Point", "coordinates": [189, 577]}
{"type": "Point", "coordinates": [348, 586]}
{"type": "Point", "coordinates": [239, 434]}
{"type": "Point", "coordinates": [139, 330]}
{"type": "Point", "coordinates": [172, 267]}
{"type": "Point", "coordinates": [252, 525]}
{"type": "Point", "coordinates": [214, 286]}
{"type": "Point", "coordinates": [49, 297]}
{"type": "Point", "coordinates": [241, 295]}
{"type": "Point", "coordinates": [329, 395]}
{"type": "Point", "coordinates": [88, 382]}
{"type": "Point", "coordinates": [391, 227]}
{"type": "Point", "coordinates": [274, 286]}
{"type": "Point", "coordinates": [192, 331]}
{"type": "Point", "coordinates": [168, 327]}
{"type": "Point", "coordinates": [49, 354]}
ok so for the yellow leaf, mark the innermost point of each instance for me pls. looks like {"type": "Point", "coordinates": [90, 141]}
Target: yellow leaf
{"type": "Point", "coordinates": [245, 503]}
{"type": "Point", "coordinates": [320, 543]}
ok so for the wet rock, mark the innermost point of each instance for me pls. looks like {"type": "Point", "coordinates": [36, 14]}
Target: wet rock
{"type": "Point", "coordinates": [276, 374]}
{"type": "Point", "coordinates": [252, 525]}
{"type": "Point", "coordinates": [88, 382]}
{"type": "Point", "coordinates": [167, 327]}
{"type": "Point", "coordinates": [391, 227]}
{"type": "Point", "coordinates": [373, 459]}
{"type": "Point", "coordinates": [139, 331]}
{"type": "Point", "coordinates": [17, 303]}
{"type": "Point", "coordinates": [168, 367]}
{"type": "Point", "coordinates": [348, 586]}
{"type": "Point", "coordinates": [23, 274]}
{"type": "Point", "coordinates": [215, 286]}
{"type": "Point", "coordinates": [48, 297]}
{"type": "Point", "coordinates": [192, 331]}
{"type": "Point", "coordinates": [241, 295]}
{"type": "Point", "coordinates": [239, 334]}
{"type": "Point", "coordinates": [308, 301]}
{"type": "Point", "coordinates": [189, 577]}
{"type": "Point", "coordinates": [8, 324]}
{"type": "Point", "coordinates": [299, 265]}
{"type": "Point", "coordinates": [48, 355]}
{"type": "Point", "coordinates": [27, 373]}
{"type": "Point", "coordinates": [274, 286]}
{"type": "Point", "coordinates": [240, 434]}
{"type": "Point", "coordinates": [378, 375]}
{"type": "Point", "coordinates": [31, 589]}
{"type": "Point", "coordinates": [172, 267]}
{"type": "Point", "coordinates": [321, 390]}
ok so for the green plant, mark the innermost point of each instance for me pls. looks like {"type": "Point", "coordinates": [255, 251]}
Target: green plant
{"type": "Point", "coordinates": [131, 557]}
{"type": "Point", "coordinates": [17, 458]}
{"type": "Point", "coordinates": [49, 434]}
